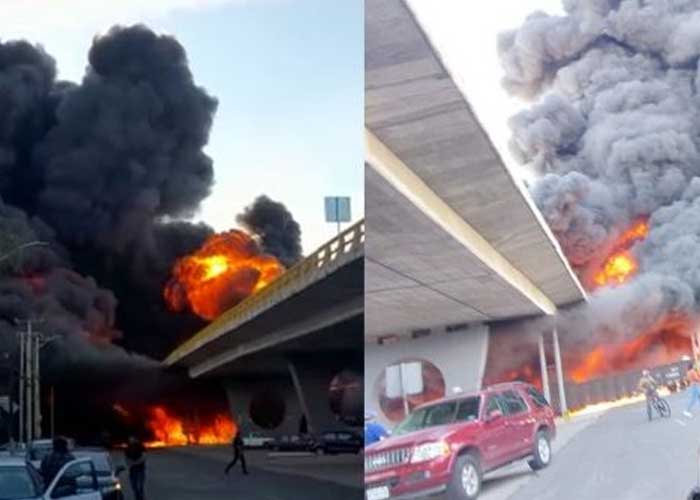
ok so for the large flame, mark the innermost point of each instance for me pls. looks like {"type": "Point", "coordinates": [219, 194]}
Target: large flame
{"type": "Point", "coordinates": [666, 341]}
{"type": "Point", "coordinates": [662, 342]}
{"type": "Point", "coordinates": [620, 265]}
{"type": "Point", "coordinates": [225, 270]}
{"type": "Point", "coordinates": [170, 430]}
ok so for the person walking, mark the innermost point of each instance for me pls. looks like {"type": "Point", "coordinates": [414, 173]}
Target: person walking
{"type": "Point", "coordinates": [694, 380]}
{"type": "Point", "coordinates": [238, 453]}
{"type": "Point", "coordinates": [135, 455]}
{"type": "Point", "coordinates": [54, 461]}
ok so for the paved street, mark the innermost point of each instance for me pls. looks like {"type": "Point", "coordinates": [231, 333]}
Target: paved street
{"type": "Point", "coordinates": [621, 456]}
{"type": "Point", "coordinates": [195, 474]}
{"type": "Point", "coordinates": [617, 455]}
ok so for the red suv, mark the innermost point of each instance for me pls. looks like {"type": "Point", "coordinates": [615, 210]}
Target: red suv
{"type": "Point", "coordinates": [445, 446]}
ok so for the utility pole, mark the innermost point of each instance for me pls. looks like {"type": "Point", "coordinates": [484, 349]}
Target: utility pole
{"type": "Point", "coordinates": [30, 344]}
{"type": "Point", "coordinates": [21, 388]}
{"type": "Point", "coordinates": [52, 403]}
{"type": "Point", "coordinates": [36, 346]}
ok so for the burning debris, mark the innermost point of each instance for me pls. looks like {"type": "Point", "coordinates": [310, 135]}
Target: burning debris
{"type": "Point", "coordinates": [170, 430]}
{"type": "Point", "coordinates": [614, 136]}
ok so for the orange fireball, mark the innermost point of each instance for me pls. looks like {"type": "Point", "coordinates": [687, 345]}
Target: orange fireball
{"type": "Point", "coordinates": [620, 265]}
{"type": "Point", "coordinates": [225, 270]}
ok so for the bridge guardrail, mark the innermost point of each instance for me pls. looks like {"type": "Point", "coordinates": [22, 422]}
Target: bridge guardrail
{"type": "Point", "coordinates": [323, 261]}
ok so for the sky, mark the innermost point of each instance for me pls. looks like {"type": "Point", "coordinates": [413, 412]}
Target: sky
{"type": "Point", "coordinates": [288, 75]}
{"type": "Point", "coordinates": [466, 38]}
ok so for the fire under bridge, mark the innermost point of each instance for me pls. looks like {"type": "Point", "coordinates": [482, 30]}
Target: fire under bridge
{"type": "Point", "coordinates": [455, 243]}
{"type": "Point", "coordinates": [293, 351]}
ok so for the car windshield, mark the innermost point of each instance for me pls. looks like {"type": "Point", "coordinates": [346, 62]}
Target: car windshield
{"type": "Point", "coordinates": [16, 483]}
{"type": "Point", "coordinates": [39, 451]}
{"type": "Point", "coordinates": [440, 414]}
{"type": "Point", "coordinates": [101, 461]}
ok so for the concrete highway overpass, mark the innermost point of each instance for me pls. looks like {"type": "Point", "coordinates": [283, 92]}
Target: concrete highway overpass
{"type": "Point", "coordinates": [277, 352]}
{"type": "Point", "coordinates": [454, 241]}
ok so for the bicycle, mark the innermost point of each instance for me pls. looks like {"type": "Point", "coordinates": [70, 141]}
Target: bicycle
{"type": "Point", "coordinates": [659, 404]}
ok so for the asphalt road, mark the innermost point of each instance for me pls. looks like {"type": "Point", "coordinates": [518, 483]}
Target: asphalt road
{"type": "Point", "coordinates": [180, 475]}
{"type": "Point", "coordinates": [622, 456]}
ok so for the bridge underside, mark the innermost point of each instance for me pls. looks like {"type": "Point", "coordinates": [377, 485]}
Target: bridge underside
{"type": "Point", "coordinates": [295, 366]}
{"type": "Point", "coordinates": [319, 376]}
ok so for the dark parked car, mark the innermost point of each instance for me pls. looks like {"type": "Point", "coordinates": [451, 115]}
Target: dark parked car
{"type": "Point", "coordinates": [447, 445]}
{"type": "Point", "coordinates": [294, 443]}
{"type": "Point", "coordinates": [107, 474]}
{"type": "Point", "coordinates": [340, 441]}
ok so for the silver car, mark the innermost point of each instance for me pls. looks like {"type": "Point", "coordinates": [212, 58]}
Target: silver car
{"type": "Point", "coordinates": [76, 480]}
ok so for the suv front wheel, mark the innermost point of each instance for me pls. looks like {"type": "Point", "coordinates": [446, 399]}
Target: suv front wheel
{"type": "Point", "coordinates": [466, 478]}
{"type": "Point", "coordinates": [542, 453]}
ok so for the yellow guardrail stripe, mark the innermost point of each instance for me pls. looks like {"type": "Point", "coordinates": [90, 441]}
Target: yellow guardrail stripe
{"type": "Point", "coordinates": [346, 242]}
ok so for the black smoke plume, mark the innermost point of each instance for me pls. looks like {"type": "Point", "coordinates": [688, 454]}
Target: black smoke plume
{"type": "Point", "coordinates": [104, 173]}
{"type": "Point", "coordinates": [279, 233]}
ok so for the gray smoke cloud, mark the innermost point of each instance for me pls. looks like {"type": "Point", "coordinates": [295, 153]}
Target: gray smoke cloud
{"type": "Point", "coordinates": [613, 133]}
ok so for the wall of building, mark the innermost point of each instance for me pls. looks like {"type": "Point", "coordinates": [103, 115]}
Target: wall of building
{"type": "Point", "coordinates": [460, 356]}
{"type": "Point", "coordinates": [240, 394]}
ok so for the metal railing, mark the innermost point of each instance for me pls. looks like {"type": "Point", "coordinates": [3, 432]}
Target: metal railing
{"type": "Point", "coordinates": [344, 247]}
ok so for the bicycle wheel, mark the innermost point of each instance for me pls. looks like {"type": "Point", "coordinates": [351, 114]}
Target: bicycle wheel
{"type": "Point", "coordinates": [663, 408]}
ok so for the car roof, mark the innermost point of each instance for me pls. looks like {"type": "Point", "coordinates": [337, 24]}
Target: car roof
{"type": "Point", "coordinates": [41, 442]}
{"type": "Point", "coordinates": [82, 452]}
{"type": "Point", "coordinates": [506, 385]}
{"type": "Point", "coordinates": [474, 394]}
{"type": "Point", "coordinates": [12, 461]}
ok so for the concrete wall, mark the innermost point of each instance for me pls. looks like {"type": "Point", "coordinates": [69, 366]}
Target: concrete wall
{"type": "Point", "coordinates": [314, 383]}
{"type": "Point", "coordinates": [240, 395]}
{"type": "Point", "coordinates": [459, 355]}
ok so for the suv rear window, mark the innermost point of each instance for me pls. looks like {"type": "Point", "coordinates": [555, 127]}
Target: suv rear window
{"type": "Point", "coordinates": [513, 403]}
{"type": "Point", "coordinates": [536, 397]}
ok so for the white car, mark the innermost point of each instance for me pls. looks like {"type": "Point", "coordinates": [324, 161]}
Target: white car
{"type": "Point", "coordinates": [257, 440]}
{"type": "Point", "coordinates": [39, 448]}
{"type": "Point", "coordinates": [19, 480]}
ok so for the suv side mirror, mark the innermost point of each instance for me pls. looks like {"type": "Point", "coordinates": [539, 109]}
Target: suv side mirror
{"type": "Point", "coordinates": [494, 415]}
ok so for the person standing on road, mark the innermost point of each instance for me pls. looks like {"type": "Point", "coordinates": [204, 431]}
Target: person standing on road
{"type": "Point", "coordinates": [135, 455]}
{"type": "Point", "coordinates": [54, 461]}
{"type": "Point", "coordinates": [694, 380]}
{"type": "Point", "coordinates": [238, 453]}
{"type": "Point", "coordinates": [374, 431]}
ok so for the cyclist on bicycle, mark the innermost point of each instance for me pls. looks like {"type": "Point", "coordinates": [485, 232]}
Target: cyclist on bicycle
{"type": "Point", "coordinates": [648, 385]}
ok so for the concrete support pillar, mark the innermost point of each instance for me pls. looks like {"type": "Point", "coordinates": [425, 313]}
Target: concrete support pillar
{"type": "Point", "coordinates": [543, 368]}
{"type": "Point", "coordinates": [302, 398]}
{"type": "Point", "coordinates": [312, 384]}
{"type": "Point", "coordinates": [560, 372]}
